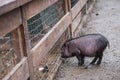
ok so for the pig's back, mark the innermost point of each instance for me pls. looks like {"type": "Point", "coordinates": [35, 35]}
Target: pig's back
{"type": "Point", "coordinates": [90, 44]}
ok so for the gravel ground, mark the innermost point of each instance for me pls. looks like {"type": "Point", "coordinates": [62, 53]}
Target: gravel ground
{"type": "Point", "coordinates": [105, 19]}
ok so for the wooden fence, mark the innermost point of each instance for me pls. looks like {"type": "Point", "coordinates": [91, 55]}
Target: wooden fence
{"type": "Point", "coordinates": [32, 33]}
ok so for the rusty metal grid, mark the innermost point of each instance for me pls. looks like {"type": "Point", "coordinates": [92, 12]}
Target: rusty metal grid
{"type": "Point", "coordinates": [73, 2]}
{"type": "Point", "coordinates": [51, 59]}
{"type": "Point", "coordinates": [41, 23]}
{"type": "Point", "coordinates": [7, 55]}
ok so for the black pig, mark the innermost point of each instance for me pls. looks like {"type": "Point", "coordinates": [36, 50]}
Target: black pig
{"type": "Point", "coordinates": [90, 45]}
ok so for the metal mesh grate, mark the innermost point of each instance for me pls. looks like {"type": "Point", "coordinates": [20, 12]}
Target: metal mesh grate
{"type": "Point", "coordinates": [73, 2]}
{"type": "Point", "coordinates": [41, 23]}
{"type": "Point", "coordinates": [89, 2]}
{"type": "Point", "coordinates": [51, 59]}
{"type": "Point", "coordinates": [83, 11]}
{"type": "Point", "coordinates": [7, 55]}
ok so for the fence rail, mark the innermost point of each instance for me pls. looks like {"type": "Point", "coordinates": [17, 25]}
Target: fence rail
{"type": "Point", "coordinates": [7, 55]}
{"type": "Point", "coordinates": [33, 33]}
{"type": "Point", "coordinates": [41, 23]}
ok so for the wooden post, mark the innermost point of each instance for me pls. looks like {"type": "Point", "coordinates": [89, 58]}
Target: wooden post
{"type": "Point", "coordinates": [22, 41]}
{"type": "Point", "coordinates": [27, 40]}
{"type": "Point", "coordinates": [70, 31]}
{"type": "Point", "coordinates": [69, 9]}
{"type": "Point", "coordinates": [69, 5]}
{"type": "Point", "coordinates": [66, 6]}
{"type": "Point", "coordinates": [16, 44]}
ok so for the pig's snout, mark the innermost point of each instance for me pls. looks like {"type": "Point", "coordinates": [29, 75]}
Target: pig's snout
{"type": "Point", "coordinates": [63, 56]}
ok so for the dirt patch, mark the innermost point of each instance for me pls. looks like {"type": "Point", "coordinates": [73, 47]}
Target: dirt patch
{"type": "Point", "coordinates": [105, 19]}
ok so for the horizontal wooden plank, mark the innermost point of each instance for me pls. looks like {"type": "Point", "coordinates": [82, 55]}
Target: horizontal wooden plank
{"type": "Point", "coordinates": [19, 72]}
{"type": "Point", "coordinates": [43, 47]}
{"type": "Point", "coordinates": [8, 5]}
{"type": "Point", "coordinates": [10, 21]}
{"type": "Point", "coordinates": [76, 9]}
{"type": "Point", "coordinates": [78, 31]}
{"type": "Point", "coordinates": [5, 2]}
{"type": "Point", "coordinates": [90, 8]}
{"type": "Point", "coordinates": [76, 22]}
{"type": "Point", "coordinates": [36, 6]}
{"type": "Point", "coordinates": [83, 2]}
{"type": "Point", "coordinates": [54, 69]}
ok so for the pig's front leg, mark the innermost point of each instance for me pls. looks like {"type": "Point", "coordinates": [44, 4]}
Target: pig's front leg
{"type": "Point", "coordinates": [80, 60]}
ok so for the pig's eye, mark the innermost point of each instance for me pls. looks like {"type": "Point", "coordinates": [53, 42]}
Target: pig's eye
{"type": "Point", "coordinates": [62, 50]}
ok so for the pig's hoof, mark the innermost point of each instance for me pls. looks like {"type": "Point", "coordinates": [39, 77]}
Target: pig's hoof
{"type": "Point", "coordinates": [97, 65]}
{"type": "Point", "coordinates": [80, 64]}
{"type": "Point", "coordinates": [88, 67]}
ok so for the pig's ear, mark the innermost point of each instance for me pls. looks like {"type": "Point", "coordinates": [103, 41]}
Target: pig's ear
{"type": "Point", "coordinates": [64, 45]}
{"type": "Point", "coordinates": [67, 44]}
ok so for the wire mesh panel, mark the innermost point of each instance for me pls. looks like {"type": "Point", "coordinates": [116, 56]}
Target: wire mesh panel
{"type": "Point", "coordinates": [51, 59]}
{"type": "Point", "coordinates": [7, 55]}
{"type": "Point", "coordinates": [89, 2]}
{"type": "Point", "coordinates": [41, 23]}
{"type": "Point", "coordinates": [83, 11]}
{"type": "Point", "coordinates": [73, 2]}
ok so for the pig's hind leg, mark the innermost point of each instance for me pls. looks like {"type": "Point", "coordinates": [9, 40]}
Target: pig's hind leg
{"type": "Point", "coordinates": [92, 63]}
{"type": "Point", "coordinates": [94, 60]}
{"type": "Point", "coordinates": [100, 59]}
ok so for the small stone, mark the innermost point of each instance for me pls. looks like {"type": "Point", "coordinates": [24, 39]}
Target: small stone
{"type": "Point", "coordinates": [97, 14]}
